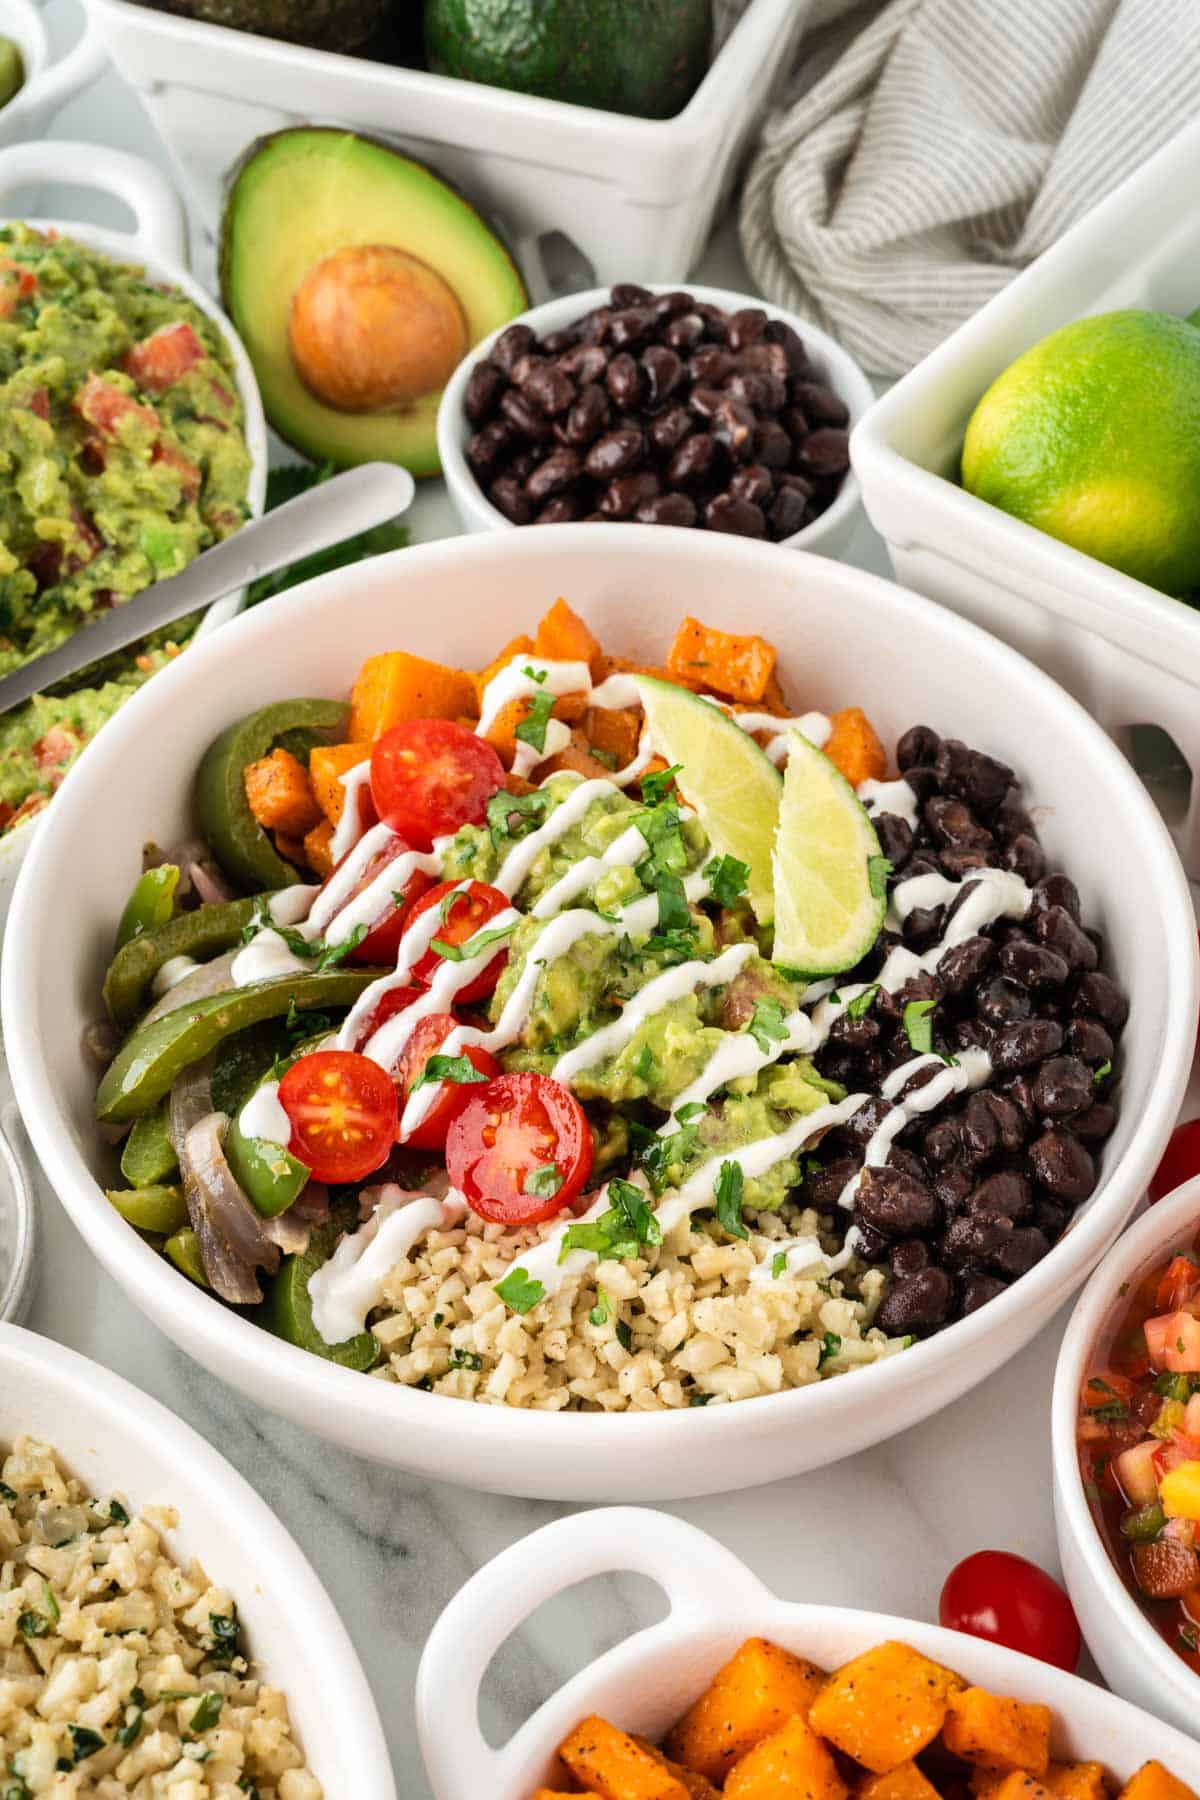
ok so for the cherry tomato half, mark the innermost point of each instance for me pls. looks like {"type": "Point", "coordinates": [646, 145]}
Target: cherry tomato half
{"type": "Point", "coordinates": [343, 1112]}
{"type": "Point", "coordinates": [468, 911]}
{"type": "Point", "coordinates": [1180, 1160]}
{"type": "Point", "coordinates": [391, 1001]}
{"type": "Point", "coordinates": [383, 939]}
{"type": "Point", "coordinates": [512, 1142]}
{"type": "Point", "coordinates": [1001, 1597]}
{"type": "Point", "coordinates": [426, 1040]}
{"type": "Point", "coordinates": [429, 776]}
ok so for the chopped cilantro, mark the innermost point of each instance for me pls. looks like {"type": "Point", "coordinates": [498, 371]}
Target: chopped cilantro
{"type": "Point", "coordinates": [607, 757]}
{"type": "Point", "coordinates": [730, 1181]}
{"type": "Point", "coordinates": [207, 1713]}
{"type": "Point", "coordinates": [475, 946]}
{"type": "Point", "coordinates": [448, 1068]}
{"type": "Point", "coordinates": [655, 1153]}
{"type": "Point", "coordinates": [466, 1359]}
{"type": "Point", "coordinates": [630, 1205]}
{"type": "Point", "coordinates": [128, 1732]}
{"type": "Point", "coordinates": [1105, 1069]}
{"type": "Point", "coordinates": [660, 827]}
{"type": "Point", "coordinates": [602, 1311]}
{"type": "Point", "coordinates": [674, 913]}
{"type": "Point", "coordinates": [514, 816]}
{"type": "Point", "coordinates": [117, 1513]}
{"type": "Point", "coordinates": [330, 954]}
{"type": "Point", "coordinates": [643, 1066]}
{"type": "Point", "coordinates": [878, 870]}
{"type": "Point", "coordinates": [860, 1006]}
{"type": "Point", "coordinates": [518, 1292]}
{"type": "Point", "coordinates": [727, 878]}
{"type": "Point", "coordinates": [778, 1264]}
{"type": "Point", "coordinates": [767, 1025]}
{"type": "Point", "coordinates": [7, 1494]}
{"type": "Point", "coordinates": [532, 729]}
{"type": "Point", "coordinates": [656, 787]}
{"type": "Point", "coordinates": [84, 1742]}
{"type": "Point", "coordinates": [624, 1335]}
{"type": "Point", "coordinates": [697, 1399]}
{"type": "Point", "coordinates": [918, 1025]}
{"type": "Point", "coordinates": [830, 1346]}
{"type": "Point", "coordinates": [693, 1110]}
{"type": "Point", "coordinates": [545, 1182]}
{"type": "Point", "coordinates": [538, 675]}
{"type": "Point", "coordinates": [33, 1624]}
{"type": "Point", "coordinates": [223, 1628]}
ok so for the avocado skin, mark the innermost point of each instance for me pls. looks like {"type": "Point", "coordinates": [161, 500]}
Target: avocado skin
{"type": "Point", "coordinates": [628, 56]}
{"type": "Point", "coordinates": [321, 24]}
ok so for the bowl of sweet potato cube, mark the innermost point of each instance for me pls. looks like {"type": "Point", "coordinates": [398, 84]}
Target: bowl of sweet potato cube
{"type": "Point", "coordinates": [738, 1693]}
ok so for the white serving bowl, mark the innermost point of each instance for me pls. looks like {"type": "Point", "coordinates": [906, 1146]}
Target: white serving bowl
{"type": "Point", "coordinates": [49, 81]}
{"type": "Point", "coordinates": [647, 1682]}
{"type": "Point", "coordinates": [836, 628]}
{"type": "Point", "coordinates": [159, 243]}
{"type": "Point", "coordinates": [114, 1437]}
{"type": "Point", "coordinates": [830, 534]}
{"type": "Point", "coordinates": [1133, 1658]}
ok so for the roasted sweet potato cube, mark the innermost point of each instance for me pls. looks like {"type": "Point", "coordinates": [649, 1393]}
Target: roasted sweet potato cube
{"type": "Point", "coordinates": [736, 666]}
{"type": "Point", "coordinates": [757, 1691]}
{"type": "Point", "coordinates": [518, 646]}
{"type": "Point", "coordinates": [614, 730]}
{"type": "Point", "coordinates": [698, 1788]}
{"type": "Point", "coordinates": [317, 852]}
{"type": "Point", "coordinates": [397, 685]}
{"type": "Point", "coordinates": [1153, 1782]}
{"type": "Point", "coordinates": [904, 1782]}
{"type": "Point", "coordinates": [854, 747]}
{"type": "Point", "coordinates": [885, 1706]}
{"type": "Point", "coordinates": [1077, 1781]}
{"type": "Point", "coordinates": [791, 1764]}
{"type": "Point", "coordinates": [280, 794]}
{"type": "Point", "coordinates": [291, 849]}
{"type": "Point", "coordinates": [545, 1793]}
{"type": "Point", "coordinates": [1018, 1785]}
{"type": "Point", "coordinates": [607, 1760]}
{"type": "Point", "coordinates": [327, 763]}
{"type": "Point", "coordinates": [562, 636]}
{"type": "Point", "coordinates": [773, 700]}
{"type": "Point", "coordinates": [577, 757]}
{"type": "Point", "coordinates": [995, 1731]}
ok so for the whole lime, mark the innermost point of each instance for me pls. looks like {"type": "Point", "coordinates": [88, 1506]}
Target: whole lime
{"type": "Point", "coordinates": [1094, 437]}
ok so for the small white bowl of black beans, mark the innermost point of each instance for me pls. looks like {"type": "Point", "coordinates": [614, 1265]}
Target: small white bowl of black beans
{"type": "Point", "coordinates": [665, 406]}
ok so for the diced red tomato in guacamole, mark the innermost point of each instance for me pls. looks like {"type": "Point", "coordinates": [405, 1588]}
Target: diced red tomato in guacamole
{"type": "Point", "coordinates": [189, 473]}
{"type": "Point", "coordinates": [105, 406]}
{"type": "Point", "coordinates": [164, 358]}
{"type": "Point", "coordinates": [16, 284]}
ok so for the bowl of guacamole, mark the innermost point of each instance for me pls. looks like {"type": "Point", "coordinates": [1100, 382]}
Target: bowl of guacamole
{"type": "Point", "coordinates": [131, 439]}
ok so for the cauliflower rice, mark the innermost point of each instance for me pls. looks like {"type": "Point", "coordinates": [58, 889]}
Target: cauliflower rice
{"type": "Point", "coordinates": [121, 1673]}
{"type": "Point", "coordinates": [681, 1326]}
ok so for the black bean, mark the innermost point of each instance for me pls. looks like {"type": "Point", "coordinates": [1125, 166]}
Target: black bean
{"type": "Point", "coordinates": [727, 513]}
{"type": "Point", "coordinates": [1097, 994]}
{"type": "Point", "coordinates": [709, 366]}
{"type": "Point", "coordinates": [895, 837]}
{"type": "Point", "coordinates": [916, 1305]}
{"type": "Point", "coordinates": [773, 446]}
{"type": "Point", "coordinates": [483, 391]}
{"type": "Point", "coordinates": [1005, 1195]}
{"type": "Point", "coordinates": [520, 465]}
{"type": "Point", "coordinates": [746, 327]}
{"type": "Point", "coordinates": [972, 1034]}
{"type": "Point", "coordinates": [923, 926]}
{"type": "Point", "coordinates": [764, 393]}
{"type": "Point", "coordinates": [854, 1034]}
{"type": "Point", "coordinates": [959, 863]}
{"type": "Point", "coordinates": [824, 1187]}
{"type": "Point", "coordinates": [822, 405]}
{"type": "Point", "coordinates": [1031, 964]}
{"type": "Point", "coordinates": [1003, 1002]}
{"type": "Point", "coordinates": [667, 509]}
{"type": "Point", "coordinates": [824, 452]}
{"type": "Point", "coordinates": [630, 293]}
{"type": "Point", "coordinates": [1022, 1045]}
{"type": "Point", "coordinates": [942, 1141]}
{"type": "Point", "coordinates": [583, 363]}
{"type": "Point", "coordinates": [991, 1122]}
{"type": "Point", "coordinates": [672, 305]}
{"type": "Point", "coordinates": [1056, 928]}
{"type": "Point", "coordinates": [684, 331]}
{"type": "Point", "coordinates": [778, 331]}
{"type": "Point", "coordinates": [787, 514]}
{"type": "Point", "coordinates": [1097, 1123]}
{"type": "Point", "coordinates": [1051, 1216]}
{"type": "Point", "coordinates": [954, 826]}
{"type": "Point", "coordinates": [952, 1185]}
{"type": "Point", "coordinates": [751, 482]}
{"type": "Point", "coordinates": [508, 496]}
{"type": "Point", "coordinates": [1020, 1092]}
{"type": "Point", "coordinates": [624, 380]}
{"type": "Point", "coordinates": [511, 345]}
{"type": "Point", "coordinates": [562, 510]}
{"type": "Point", "coordinates": [765, 355]}
{"type": "Point", "coordinates": [549, 389]}
{"type": "Point", "coordinates": [974, 1238]}
{"type": "Point", "coordinates": [908, 1257]}
{"type": "Point", "coordinates": [1088, 1039]}
{"type": "Point", "coordinates": [971, 776]}
{"type": "Point", "coordinates": [616, 453]}
{"type": "Point", "coordinates": [922, 780]}
{"type": "Point", "coordinates": [1025, 857]}
{"type": "Point", "coordinates": [733, 425]}
{"type": "Point", "coordinates": [1055, 890]}
{"type": "Point", "coordinates": [976, 1290]}
{"type": "Point", "coordinates": [631, 326]}
{"type": "Point", "coordinates": [1026, 1246]}
{"type": "Point", "coordinates": [489, 446]}
{"type": "Point", "coordinates": [695, 461]}
{"type": "Point", "coordinates": [588, 417]}
{"type": "Point", "coordinates": [524, 416]}
{"type": "Point", "coordinates": [668, 428]}
{"type": "Point", "coordinates": [962, 966]}
{"type": "Point", "coordinates": [555, 342]}
{"type": "Point", "coordinates": [796, 425]}
{"type": "Point", "coordinates": [918, 745]}
{"type": "Point", "coordinates": [622, 497]}
{"type": "Point", "coordinates": [1062, 1165]}
{"type": "Point", "coordinates": [560, 469]}
{"type": "Point", "coordinates": [895, 1203]}
{"type": "Point", "coordinates": [1062, 1086]}
{"type": "Point", "coordinates": [870, 1245]}
{"type": "Point", "coordinates": [663, 372]}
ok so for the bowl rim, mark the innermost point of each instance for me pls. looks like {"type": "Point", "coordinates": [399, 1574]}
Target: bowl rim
{"type": "Point", "coordinates": [280, 1367]}
{"type": "Point", "coordinates": [712, 1594]}
{"type": "Point", "coordinates": [845, 376]}
{"type": "Point", "coordinates": [134, 1419]}
{"type": "Point", "coordinates": [1143, 1244]}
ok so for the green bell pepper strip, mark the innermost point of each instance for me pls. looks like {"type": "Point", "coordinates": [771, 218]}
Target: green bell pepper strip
{"type": "Point", "coordinates": [267, 1173]}
{"type": "Point", "coordinates": [148, 1063]}
{"type": "Point", "coordinates": [148, 1157]}
{"type": "Point", "coordinates": [150, 905]}
{"type": "Point", "coordinates": [205, 933]}
{"type": "Point", "coordinates": [242, 847]}
{"type": "Point", "coordinates": [184, 1251]}
{"type": "Point", "coordinates": [161, 1209]}
{"type": "Point", "coordinates": [287, 1308]}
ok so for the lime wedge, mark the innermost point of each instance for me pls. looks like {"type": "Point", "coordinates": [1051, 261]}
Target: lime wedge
{"type": "Point", "coordinates": [734, 788]}
{"type": "Point", "coordinates": [830, 876]}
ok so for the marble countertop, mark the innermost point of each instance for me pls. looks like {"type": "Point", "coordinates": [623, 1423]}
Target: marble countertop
{"type": "Point", "coordinates": [878, 1531]}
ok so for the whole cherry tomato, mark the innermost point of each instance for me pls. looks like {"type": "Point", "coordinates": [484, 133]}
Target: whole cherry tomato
{"type": "Point", "coordinates": [466, 911]}
{"type": "Point", "coordinates": [520, 1149]}
{"type": "Point", "coordinates": [343, 1112]}
{"type": "Point", "coordinates": [429, 776]}
{"type": "Point", "coordinates": [1007, 1600]}
{"type": "Point", "coordinates": [450, 1095]}
{"type": "Point", "coordinates": [1180, 1160]}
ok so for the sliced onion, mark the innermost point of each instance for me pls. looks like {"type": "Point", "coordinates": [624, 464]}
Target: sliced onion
{"type": "Point", "coordinates": [211, 887]}
{"type": "Point", "coordinates": [290, 1233]}
{"type": "Point", "coordinates": [100, 1042]}
{"type": "Point", "coordinates": [213, 977]}
{"type": "Point", "coordinates": [230, 1234]}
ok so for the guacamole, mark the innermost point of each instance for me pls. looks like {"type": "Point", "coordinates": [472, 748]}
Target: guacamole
{"type": "Point", "coordinates": [122, 457]}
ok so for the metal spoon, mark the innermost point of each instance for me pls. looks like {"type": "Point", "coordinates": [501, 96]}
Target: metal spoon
{"type": "Point", "coordinates": [338, 509]}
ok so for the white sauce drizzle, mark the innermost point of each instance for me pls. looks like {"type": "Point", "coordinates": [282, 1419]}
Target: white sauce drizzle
{"type": "Point", "coordinates": [291, 905]}
{"type": "Point", "coordinates": [672, 984]}
{"type": "Point", "coordinates": [263, 1116]}
{"type": "Point", "coordinates": [265, 958]}
{"type": "Point", "coordinates": [514, 682]}
{"type": "Point", "coordinates": [171, 973]}
{"type": "Point", "coordinates": [350, 1285]}
{"type": "Point", "coordinates": [526, 757]}
{"type": "Point", "coordinates": [349, 827]}
{"type": "Point", "coordinates": [890, 797]}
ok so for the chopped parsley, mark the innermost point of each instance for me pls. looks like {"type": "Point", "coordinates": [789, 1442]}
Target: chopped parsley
{"type": "Point", "coordinates": [84, 1742]}
{"type": "Point", "coordinates": [878, 870]}
{"type": "Point", "coordinates": [330, 954]}
{"type": "Point", "coordinates": [321, 954]}
{"type": "Point", "coordinates": [532, 729]}
{"type": "Point", "coordinates": [830, 1346]}
{"type": "Point", "coordinates": [660, 826]}
{"type": "Point", "coordinates": [624, 1335]}
{"type": "Point", "coordinates": [656, 787]}
{"type": "Point", "coordinates": [918, 1025]}
{"type": "Point", "coordinates": [513, 816]}
{"type": "Point", "coordinates": [767, 1026]}
{"type": "Point", "coordinates": [601, 1313]}
{"type": "Point", "coordinates": [778, 1264]}
{"type": "Point", "coordinates": [519, 1292]}
{"type": "Point", "coordinates": [644, 1067]}
{"type": "Point", "coordinates": [128, 1732]}
{"type": "Point", "coordinates": [117, 1513]}
{"type": "Point", "coordinates": [466, 1359]}
{"type": "Point", "coordinates": [545, 1182]}
{"type": "Point", "coordinates": [448, 1068]}
{"type": "Point", "coordinates": [621, 1231]}
{"type": "Point", "coordinates": [1109, 1412]}
{"type": "Point", "coordinates": [207, 1713]}
{"type": "Point", "coordinates": [538, 675]}
{"type": "Point", "coordinates": [860, 1006]}
{"type": "Point", "coordinates": [730, 1182]}
{"type": "Point", "coordinates": [1105, 1069]}
{"type": "Point", "coordinates": [33, 1624]}
{"type": "Point", "coordinates": [475, 946]}
{"type": "Point", "coordinates": [656, 1154]}
{"type": "Point", "coordinates": [727, 878]}
{"type": "Point", "coordinates": [223, 1628]}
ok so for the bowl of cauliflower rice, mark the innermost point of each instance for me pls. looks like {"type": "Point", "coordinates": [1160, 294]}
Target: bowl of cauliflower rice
{"type": "Point", "coordinates": [160, 1632]}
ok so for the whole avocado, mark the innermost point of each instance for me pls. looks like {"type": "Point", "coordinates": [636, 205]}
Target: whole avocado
{"type": "Point", "coordinates": [321, 24]}
{"type": "Point", "coordinates": [630, 56]}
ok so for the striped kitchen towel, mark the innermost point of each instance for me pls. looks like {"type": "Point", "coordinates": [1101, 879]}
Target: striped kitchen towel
{"type": "Point", "coordinates": [949, 143]}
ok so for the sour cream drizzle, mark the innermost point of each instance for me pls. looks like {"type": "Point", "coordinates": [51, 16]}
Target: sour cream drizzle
{"type": "Point", "coordinates": [350, 1285]}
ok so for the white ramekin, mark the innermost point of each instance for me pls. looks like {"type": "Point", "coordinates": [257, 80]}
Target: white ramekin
{"type": "Point", "coordinates": [1133, 1658]}
{"type": "Point", "coordinates": [113, 1437]}
{"type": "Point", "coordinates": [830, 534]}
{"type": "Point", "coordinates": [844, 637]}
{"type": "Point", "coordinates": [159, 243]}
{"type": "Point", "coordinates": [49, 81]}
{"type": "Point", "coordinates": [647, 1682]}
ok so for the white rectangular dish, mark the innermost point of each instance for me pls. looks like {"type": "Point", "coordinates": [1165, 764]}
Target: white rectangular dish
{"type": "Point", "coordinates": [636, 196]}
{"type": "Point", "coordinates": [1130, 654]}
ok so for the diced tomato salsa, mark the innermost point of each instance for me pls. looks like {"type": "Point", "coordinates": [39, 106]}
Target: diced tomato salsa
{"type": "Point", "coordinates": [1139, 1446]}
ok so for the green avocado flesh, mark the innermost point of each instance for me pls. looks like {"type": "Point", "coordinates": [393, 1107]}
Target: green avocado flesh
{"type": "Point", "coordinates": [628, 56]}
{"type": "Point", "coordinates": [298, 197]}
{"type": "Point", "coordinates": [323, 24]}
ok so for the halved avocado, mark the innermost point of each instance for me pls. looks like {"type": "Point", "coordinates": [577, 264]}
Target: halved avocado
{"type": "Point", "coordinates": [358, 279]}
{"type": "Point", "coordinates": [323, 24]}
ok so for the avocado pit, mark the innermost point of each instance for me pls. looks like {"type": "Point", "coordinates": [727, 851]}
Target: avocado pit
{"type": "Point", "coordinates": [374, 329]}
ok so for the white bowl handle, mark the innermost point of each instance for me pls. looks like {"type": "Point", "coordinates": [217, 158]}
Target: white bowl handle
{"type": "Point", "coordinates": [77, 70]}
{"type": "Point", "coordinates": [161, 227]}
{"type": "Point", "coordinates": [686, 1563]}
